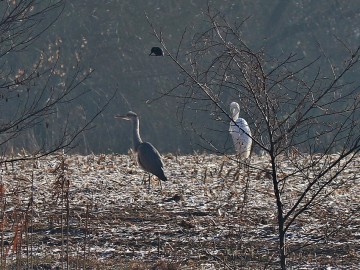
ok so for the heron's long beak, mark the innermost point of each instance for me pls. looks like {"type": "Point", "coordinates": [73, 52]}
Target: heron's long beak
{"type": "Point", "coordinates": [125, 117]}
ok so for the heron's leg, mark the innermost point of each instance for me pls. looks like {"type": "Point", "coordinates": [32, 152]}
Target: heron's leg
{"type": "Point", "coordinates": [149, 181]}
{"type": "Point", "coordinates": [144, 178]}
{"type": "Point", "coordinates": [147, 178]}
{"type": "Point", "coordinates": [160, 184]}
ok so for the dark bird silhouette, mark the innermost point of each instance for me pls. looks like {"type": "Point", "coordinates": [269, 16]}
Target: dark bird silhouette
{"type": "Point", "coordinates": [156, 51]}
{"type": "Point", "coordinates": [148, 157]}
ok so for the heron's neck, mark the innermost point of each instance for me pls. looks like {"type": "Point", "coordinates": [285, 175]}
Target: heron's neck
{"type": "Point", "coordinates": [136, 134]}
{"type": "Point", "coordinates": [235, 116]}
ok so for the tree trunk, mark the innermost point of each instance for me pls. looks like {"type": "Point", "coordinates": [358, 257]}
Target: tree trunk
{"type": "Point", "coordinates": [281, 220]}
{"type": "Point", "coordinates": [282, 252]}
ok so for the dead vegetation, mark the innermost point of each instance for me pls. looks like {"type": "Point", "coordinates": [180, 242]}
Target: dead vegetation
{"type": "Point", "coordinates": [93, 212]}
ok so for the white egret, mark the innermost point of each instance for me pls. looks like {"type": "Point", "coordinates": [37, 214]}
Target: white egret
{"type": "Point", "coordinates": [240, 132]}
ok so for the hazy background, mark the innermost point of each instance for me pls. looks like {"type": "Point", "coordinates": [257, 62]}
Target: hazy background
{"type": "Point", "coordinates": [114, 38]}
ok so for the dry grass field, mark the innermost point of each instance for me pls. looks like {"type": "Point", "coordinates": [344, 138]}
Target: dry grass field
{"type": "Point", "coordinates": [94, 212]}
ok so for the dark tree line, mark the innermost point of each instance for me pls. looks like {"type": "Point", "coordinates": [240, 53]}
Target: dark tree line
{"type": "Point", "coordinates": [114, 40]}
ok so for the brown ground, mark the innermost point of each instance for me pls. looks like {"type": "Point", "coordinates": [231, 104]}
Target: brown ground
{"type": "Point", "coordinates": [94, 212]}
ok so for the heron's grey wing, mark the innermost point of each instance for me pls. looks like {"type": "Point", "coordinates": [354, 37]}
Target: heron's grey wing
{"type": "Point", "coordinates": [150, 159]}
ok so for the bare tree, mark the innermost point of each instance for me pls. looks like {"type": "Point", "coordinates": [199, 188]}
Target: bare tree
{"type": "Point", "coordinates": [37, 87]}
{"type": "Point", "coordinates": [304, 120]}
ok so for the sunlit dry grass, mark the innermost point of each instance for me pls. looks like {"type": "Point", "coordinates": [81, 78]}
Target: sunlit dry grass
{"type": "Point", "coordinates": [93, 212]}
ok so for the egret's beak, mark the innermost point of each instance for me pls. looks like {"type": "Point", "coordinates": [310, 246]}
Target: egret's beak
{"type": "Point", "coordinates": [232, 113]}
{"type": "Point", "coordinates": [125, 117]}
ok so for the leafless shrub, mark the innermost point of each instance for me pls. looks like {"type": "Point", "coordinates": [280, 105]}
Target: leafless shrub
{"type": "Point", "coordinates": [37, 86]}
{"type": "Point", "coordinates": [296, 111]}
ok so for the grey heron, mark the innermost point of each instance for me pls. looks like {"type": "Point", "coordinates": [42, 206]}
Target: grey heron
{"type": "Point", "coordinates": [148, 156]}
{"type": "Point", "coordinates": [156, 51]}
{"type": "Point", "coordinates": [240, 132]}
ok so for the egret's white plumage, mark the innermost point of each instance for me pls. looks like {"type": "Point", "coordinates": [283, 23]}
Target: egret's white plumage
{"type": "Point", "coordinates": [240, 132]}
